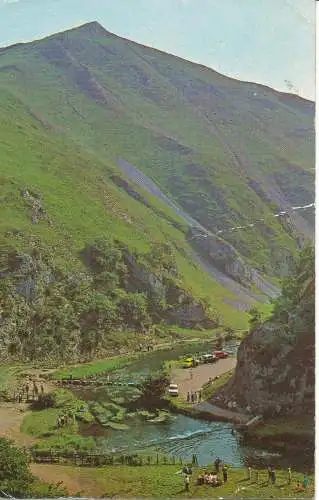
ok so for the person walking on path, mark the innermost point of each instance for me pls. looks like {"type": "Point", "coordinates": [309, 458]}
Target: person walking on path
{"type": "Point", "coordinates": [191, 374]}
{"type": "Point", "coordinates": [200, 396]}
{"type": "Point", "coordinates": [188, 397]}
{"type": "Point", "coordinates": [36, 391]}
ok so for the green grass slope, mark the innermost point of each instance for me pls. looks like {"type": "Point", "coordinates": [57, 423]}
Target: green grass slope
{"type": "Point", "coordinates": [228, 152]}
{"type": "Point", "coordinates": [81, 204]}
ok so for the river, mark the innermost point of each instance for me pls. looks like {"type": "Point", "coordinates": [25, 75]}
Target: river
{"type": "Point", "coordinates": [180, 436]}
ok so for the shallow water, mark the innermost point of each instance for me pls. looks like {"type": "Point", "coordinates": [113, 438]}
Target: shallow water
{"type": "Point", "coordinates": [181, 436]}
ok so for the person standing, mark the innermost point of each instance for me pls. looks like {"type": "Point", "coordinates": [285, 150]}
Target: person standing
{"type": "Point", "coordinates": [289, 475]}
{"type": "Point", "coordinates": [305, 482]}
{"type": "Point", "coordinates": [273, 475]}
{"type": "Point", "coordinates": [217, 464]}
{"type": "Point", "coordinates": [186, 482]}
{"type": "Point", "coordinates": [200, 396]}
{"type": "Point", "coordinates": [188, 397]}
{"type": "Point", "coordinates": [225, 473]}
{"type": "Point", "coordinates": [269, 474]}
{"type": "Point", "coordinates": [249, 473]}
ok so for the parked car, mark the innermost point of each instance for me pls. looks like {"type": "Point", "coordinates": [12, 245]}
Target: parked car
{"type": "Point", "coordinates": [221, 354]}
{"type": "Point", "coordinates": [190, 362]}
{"type": "Point", "coordinates": [173, 390]}
{"type": "Point", "coordinates": [209, 358]}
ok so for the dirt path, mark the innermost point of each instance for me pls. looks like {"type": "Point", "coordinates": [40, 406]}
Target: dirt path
{"type": "Point", "coordinates": [200, 375]}
{"type": "Point", "coordinates": [11, 417]}
{"type": "Point", "coordinates": [12, 413]}
{"type": "Point", "coordinates": [72, 480]}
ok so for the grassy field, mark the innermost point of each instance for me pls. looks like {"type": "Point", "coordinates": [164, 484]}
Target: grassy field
{"type": "Point", "coordinates": [165, 482]}
{"type": "Point", "coordinates": [95, 367]}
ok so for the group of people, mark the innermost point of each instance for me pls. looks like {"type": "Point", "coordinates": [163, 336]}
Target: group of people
{"type": "Point", "coordinates": [214, 477]}
{"type": "Point", "coordinates": [272, 477]}
{"type": "Point", "coordinates": [194, 397]}
{"type": "Point", "coordinates": [211, 478]}
{"type": "Point", "coordinates": [27, 391]}
{"type": "Point", "coordinates": [63, 420]}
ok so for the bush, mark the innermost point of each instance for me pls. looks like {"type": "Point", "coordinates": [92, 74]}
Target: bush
{"type": "Point", "coordinates": [13, 463]}
{"type": "Point", "coordinates": [45, 401]}
{"type": "Point", "coordinates": [16, 478]}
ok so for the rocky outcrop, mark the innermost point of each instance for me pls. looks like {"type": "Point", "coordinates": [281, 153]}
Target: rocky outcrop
{"type": "Point", "coordinates": [224, 256]}
{"type": "Point", "coordinates": [191, 315]}
{"type": "Point", "coordinates": [183, 310]}
{"type": "Point", "coordinates": [274, 374]}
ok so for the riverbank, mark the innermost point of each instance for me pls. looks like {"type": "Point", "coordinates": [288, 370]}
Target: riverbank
{"type": "Point", "coordinates": [164, 482]}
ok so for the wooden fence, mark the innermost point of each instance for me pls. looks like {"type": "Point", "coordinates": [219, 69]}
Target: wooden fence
{"type": "Point", "coordinates": [98, 459]}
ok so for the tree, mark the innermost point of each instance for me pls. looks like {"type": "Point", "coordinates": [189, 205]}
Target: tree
{"type": "Point", "coordinates": [255, 319]}
{"type": "Point", "coordinates": [133, 309]}
{"type": "Point", "coordinates": [16, 478]}
{"type": "Point", "coordinates": [161, 257]}
{"type": "Point", "coordinates": [105, 258]}
{"type": "Point", "coordinates": [153, 390]}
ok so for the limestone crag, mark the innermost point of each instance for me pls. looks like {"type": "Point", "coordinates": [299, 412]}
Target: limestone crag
{"type": "Point", "coordinates": [275, 374]}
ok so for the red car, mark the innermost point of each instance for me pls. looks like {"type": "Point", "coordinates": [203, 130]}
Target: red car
{"type": "Point", "coordinates": [221, 354]}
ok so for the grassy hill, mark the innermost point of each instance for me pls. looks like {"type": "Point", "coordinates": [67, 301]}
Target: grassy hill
{"type": "Point", "coordinates": [226, 152]}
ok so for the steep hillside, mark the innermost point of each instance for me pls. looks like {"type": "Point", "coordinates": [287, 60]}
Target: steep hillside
{"type": "Point", "coordinates": [92, 258]}
{"type": "Point", "coordinates": [85, 268]}
{"type": "Point", "coordinates": [227, 152]}
{"type": "Point", "coordinates": [275, 374]}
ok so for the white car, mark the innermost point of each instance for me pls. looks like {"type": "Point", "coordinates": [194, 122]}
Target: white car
{"type": "Point", "coordinates": [173, 390]}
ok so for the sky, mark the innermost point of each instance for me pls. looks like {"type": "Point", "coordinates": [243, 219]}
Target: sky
{"type": "Point", "coordinates": [265, 41]}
